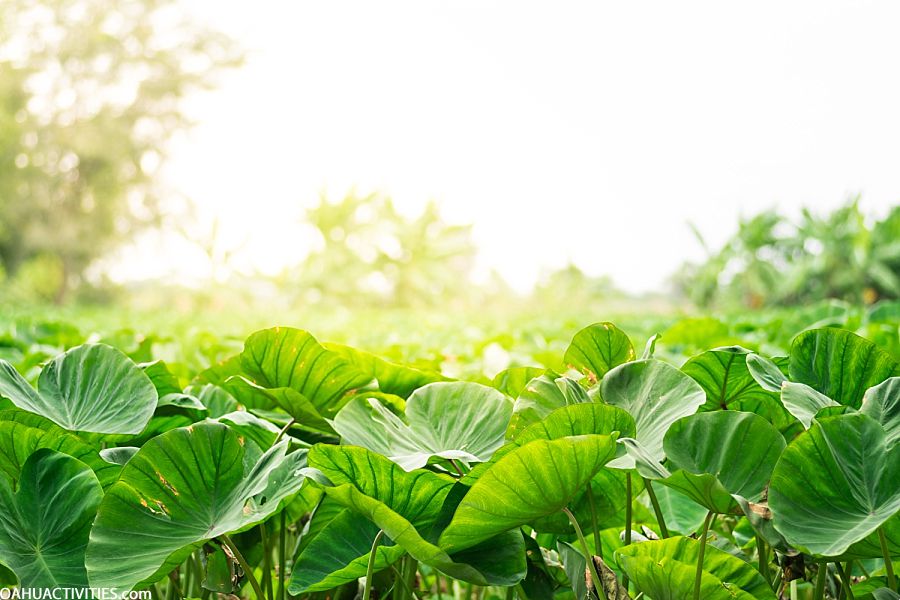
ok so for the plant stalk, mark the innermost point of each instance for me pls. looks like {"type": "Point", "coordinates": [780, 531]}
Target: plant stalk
{"type": "Point", "coordinates": [819, 593]}
{"type": "Point", "coordinates": [660, 520]}
{"type": "Point", "coordinates": [587, 553]}
{"type": "Point", "coordinates": [284, 431]}
{"type": "Point", "coordinates": [598, 546]}
{"type": "Point", "coordinates": [699, 575]}
{"type": "Point", "coordinates": [845, 581]}
{"type": "Point", "coordinates": [763, 553]}
{"type": "Point", "coordinates": [888, 565]}
{"type": "Point", "coordinates": [248, 570]}
{"type": "Point", "coordinates": [370, 569]}
{"type": "Point", "coordinates": [628, 501]}
{"type": "Point", "coordinates": [266, 561]}
{"type": "Point", "coordinates": [282, 551]}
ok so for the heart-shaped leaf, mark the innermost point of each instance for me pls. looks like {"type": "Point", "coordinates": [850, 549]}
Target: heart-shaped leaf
{"type": "Point", "coordinates": [598, 348]}
{"type": "Point", "coordinates": [452, 420]}
{"type": "Point", "coordinates": [656, 394]}
{"type": "Point", "coordinates": [407, 506]}
{"type": "Point", "coordinates": [44, 523]}
{"type": "Point", "coordinates": [283, 357]}
{"type": "Point", "coordinates": [835, 484]}
{"type": "Point", "coordinates": [91, 388]}
{"type": "Point", "coordinates": [839, 364]}
{"type": "Point", "coordinates": [665, 570]}
{"type": "Point", "coordinates": [535, 480]}
{"type": "Point", "coordinates": [182, 488]}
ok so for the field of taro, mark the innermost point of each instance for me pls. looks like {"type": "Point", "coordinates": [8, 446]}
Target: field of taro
{"type": "Point", "coordinates": [301, 469]}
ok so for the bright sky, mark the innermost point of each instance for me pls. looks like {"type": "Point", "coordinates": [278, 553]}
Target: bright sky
{"type": "Point", "coordinates": [584, 131]}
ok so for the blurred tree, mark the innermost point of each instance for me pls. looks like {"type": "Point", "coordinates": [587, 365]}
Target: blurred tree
{"type": "Point", "coordinates": [369, 253]}
{"type": "Point", "coordinates": [771, 261]}
{"type": "Point", "coordinates": [90, 91]}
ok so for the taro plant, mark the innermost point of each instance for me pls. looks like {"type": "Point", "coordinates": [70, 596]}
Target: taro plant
{"type": "Point", "coordinates": [300, 469]}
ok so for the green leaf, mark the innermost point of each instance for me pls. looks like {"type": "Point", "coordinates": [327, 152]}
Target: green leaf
{"type": "Point", "coordinates": [406, 506]}
{"type": "Point", "coordinates": [882, 403]}
{"type": "Point", "coordinates": [533, 481]}
{"type": "Point", "coordinates": [835, 484]}
{"type": "Point", "coordinates": [740, 449]}
{"type": "Point", "coordinates": [681, 514]}
{"type": "Point", "coordinates": [91, 388]}
{"type": "Point", "coordinates": [22, 433]}
{"type": "Point", "coordinates": [656, 394]}
{"type": "Point", "coordinates": [598, 348]}
{"type": "Point", "coordinates": [392, 378]}
{"type": "Point", "coordinates": [181, 489]}
{"type": "Point", "coordinates": [283, 357]}
{"type": "Point", "coordinates": [592, 418]}
{"type": "Point", "coordinates": [455, 420]}
{"type": "Point", "coordinates": [541, 396]}
{"type": "Point", "coordinates": [512, 381]}
{"type": "Point", "coordinates": [839, 364]}
{"type": "Point", "coordinates": [339, 554]}
{"type": "Point", "coordinates": [665, 570]}
{"type": "Point", "coordinates": [765, 372]}
{"type": "Point", "coordinates": [803, 401]}
{"type": "Point", "coordinates": [44, 523]}
{"type": "Point", "coordinates": [118, 456]}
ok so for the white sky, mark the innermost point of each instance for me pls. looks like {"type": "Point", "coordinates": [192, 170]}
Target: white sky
{"type": "Point", "coordinates": [590, 131]}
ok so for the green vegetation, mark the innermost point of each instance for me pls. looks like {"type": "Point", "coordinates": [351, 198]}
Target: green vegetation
{"type": "Point", "coordinates": [286, 467]}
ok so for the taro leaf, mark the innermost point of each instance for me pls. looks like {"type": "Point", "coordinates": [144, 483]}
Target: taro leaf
{"type": "Point", "coordinates": [882, 403]}
{"type": "Point", "coordinates": [575, 566]}
{"type": "Point", "coordinates": [656, 394]}
{"type": "Point", "coordinates": [91, 388]}
{"type": "Point", "coordinates": [533, 481]}
{"type": "Point", "coordinates": [765, 372]}
{"type": "Point", "coordinates": [406, 506]}
{"type": "Point", "coordinates": [44, 523]}
{"type": "Point", "coordinates": [739, 449]}
{"type": "Point", "coordinates": [761, 520]}
{"type": "Point", "coordinates": [163, 380]}
{"type": "Point", "coordinates": [541, 396]}
{"type": "Point", "coordinates": [287, 399]}
{"type": "Point", "coordinates": [650, 346]}
{"type": "Point", "coordinates": [181, 489]}
{"type": "Point", "coordinates": [598, 348]}
{"type": "Point", "coordinates": [248, 425]}
{"type": "Point", "coordinates": [665, 570]}
{"type": "Point", "coordinates": [835, 484]}
{"type": "Point", "coordinates": [22, 433]}
{"type": "Point", "coordinates": [512, 381]}
{"type": "Point", "coordinates": [455, 420]}
{"type": "Point", "coordinates": [724, 376]}
{"type": "Point", "coordinates": [283, 357]}
{"type": "Point", "coordinates": [803, 401]}
{"type": "Point", "coordinates": [392, 378]}
{"type": "Point", "coordinates": [339, 554]}
{"type": "Point", "coordinates": [219, 574]}
{"type": "Point", "coordinates": [839, 364]}
{"type": "Point", "coordinates": [118, 456]}
{"type": "Point", "coordinates": [680, 513]}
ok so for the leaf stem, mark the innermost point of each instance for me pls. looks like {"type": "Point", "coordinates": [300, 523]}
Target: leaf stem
{"type": "Point", "coordinates": [282, 551]}
{"type": "Point", "coordinates": [660, 520]}
{"type": "Point", "coordinates": [819, 593]}
{"type": "Point", "coordinates": [597, 584]}
{"type": "Point", "coordinates": [248, 570]}
{"type": "Point", "coordinates": [845, 581]}
{"type": "Point", "coordinates": [888, 565]}
{"type": "Point", "coordinates": [763, 553]}
{"type": "Point", "coordinates": [284, 431]}
{"type": "Point", "coordinates": [699, 576]}
{"type": "Point", "coordinates": [628, 507]}
{"type": "Point", "coordinates": [370, 569]}
{"type": "Point", "coordinates": [266, 565]}
{"type": "Point", "coordinates": [598, 546]}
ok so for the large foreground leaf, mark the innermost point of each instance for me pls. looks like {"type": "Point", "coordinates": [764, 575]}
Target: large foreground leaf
{"type": "Point", "coordinates": [738, 449]}
{"type": "Point", "coordinates": [451, 420]}
{"type": "Point", "coordinates": [22, 433]}
{"type": "Point", "coordinates": [656, 394]}
{"type": "Point", "coordinates": [407, 506]}
{"type": "Point", "coordinates": [182, 488]}
{"type": "Point", "coordinates": [839, 364]}
{"type": "Point", "coordinates": [835, 484]}
{"type": "Point", "coordinates": [92, 388]}
{"type": "Point", "coordinates": [665, 570]}
{"type": "Point", "coordinates": [533, 481]}
{"type": "Point", "coordinates": [44, 524]}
